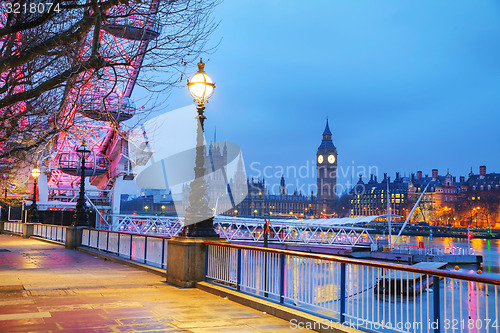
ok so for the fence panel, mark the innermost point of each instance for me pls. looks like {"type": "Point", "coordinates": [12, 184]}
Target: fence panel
{"type": "Point", "coordinates": [363, 294]}
{"type": "Point", "coordinates": [14, 227]}
{"type": "Point", "coordinates": [148, 249]}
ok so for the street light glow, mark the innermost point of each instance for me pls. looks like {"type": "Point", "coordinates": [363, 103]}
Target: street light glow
{"type": "Point", "coordinates": [201, 86]}
{"type": "Point", "coordinates": [36, 172]}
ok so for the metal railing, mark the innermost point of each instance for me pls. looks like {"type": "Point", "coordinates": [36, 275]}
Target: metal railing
{"type": "Point", "coordinates": [362, 294]}
{"type": "Point", "coordinates": [427, 250]}
{"type": "Point", "coordinates": [53, 232]}
{"type": "Point", "coordinates": [148, 249]}
{"type": "Point", "coordinates": [291, 231]}
{"type": "Point", "coordinates": [145, 224]}
{"type": "Point", "coordinates": [250, 229]}
{"type": "Point", "coordinates": [14, 227]}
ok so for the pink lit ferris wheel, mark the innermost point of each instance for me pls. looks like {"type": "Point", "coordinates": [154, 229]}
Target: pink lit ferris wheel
{"type": "Point", "coordinates": [98, 103]}
{"type": "Point", "coordinates": [95, 104]}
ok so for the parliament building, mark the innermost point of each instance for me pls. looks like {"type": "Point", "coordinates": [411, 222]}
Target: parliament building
{"type": "Point", "coordinates": [260, 202]}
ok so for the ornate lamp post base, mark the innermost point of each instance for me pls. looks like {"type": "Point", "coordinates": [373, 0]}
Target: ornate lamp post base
{"type": "Point", "coordinates": [81, 216]}
{"type": "Point", "coordinates": [33, 210]}
{"type": "Point", "coordinates": [204, 228]}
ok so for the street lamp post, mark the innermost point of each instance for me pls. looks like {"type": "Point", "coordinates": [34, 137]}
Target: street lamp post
{"type": "Point", "coordinates": [201, 87]}
{"type": "Point", "coordinates": [33, 209]}
{"type": "Point", "coordinates": [81, 217]}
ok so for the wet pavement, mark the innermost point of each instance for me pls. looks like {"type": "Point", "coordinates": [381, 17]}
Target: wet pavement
{"type": "Point", "coordinates": [47, 288]}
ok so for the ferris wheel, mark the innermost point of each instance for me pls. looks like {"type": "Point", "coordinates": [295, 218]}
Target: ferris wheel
{"type": "Point", "coordinates": [98, 103]}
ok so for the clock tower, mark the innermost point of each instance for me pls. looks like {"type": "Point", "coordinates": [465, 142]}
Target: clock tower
{"type": "Point", "coordinates": [326, 170]}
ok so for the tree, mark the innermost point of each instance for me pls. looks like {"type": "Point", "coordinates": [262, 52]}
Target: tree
{"type": "Point", "coordinates": [487, 205]}
{"type": "Point", "coordinates": [343, 205]}
{"type": "Point", "coordinates": [78, 55]}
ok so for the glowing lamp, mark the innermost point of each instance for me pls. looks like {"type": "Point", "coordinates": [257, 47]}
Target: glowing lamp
{"type": "Point", "coordinates": [36, 172]}
{"type": "Point", "coordinates": [201, 86]}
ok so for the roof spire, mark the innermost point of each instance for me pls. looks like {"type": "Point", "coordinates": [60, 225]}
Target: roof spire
{"type": "Point", "coordinates": [327, 137]}
{"type": "Point", "coordinates": [327, 130]}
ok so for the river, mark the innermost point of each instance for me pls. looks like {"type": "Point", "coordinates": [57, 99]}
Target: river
{"type": "Point", "coordinates": [488, 248]}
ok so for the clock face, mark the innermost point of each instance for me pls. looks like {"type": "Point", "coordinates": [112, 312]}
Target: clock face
{"type": "Point", "coordinates": [320, 159]}
{"type": "Point", "coordinates": [331, 159]}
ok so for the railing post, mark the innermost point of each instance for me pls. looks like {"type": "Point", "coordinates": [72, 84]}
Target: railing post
{"type": "Point", "coordinates": [107, 241]}
{"type": "Point", "coordinates": [265, 275]}
{"type": "Point", "coordinates": [437, 305]}
{"type": "Point", "coordinates": [282, 278]}
{"type": "Point", "coordinates": [342, 291]}
{"type": "Point", "coordinates": [73, 237]}
{"type": "Point", "coordinates": [207, 248]}
{"type": "Point", "coordinates": [163, 253]}
{"type": "Point", "coordinates": [238, 271]}
{"type": "Point", "coordinates": [97, 244]}
{"type": "Point", "coordinates": [145, 248]}
{"type": "Point", "coordinates": [130, 256]}
{"type": "Point", "coordinates": [118, 245]}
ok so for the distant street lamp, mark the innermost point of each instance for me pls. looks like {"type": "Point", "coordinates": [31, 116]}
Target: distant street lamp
{"type": "Point", "coordinates": [33, 211]}
{"type": "Point", "coordinates": [81, 217]}
{"type": "Point", "coordinates": [201, 87]}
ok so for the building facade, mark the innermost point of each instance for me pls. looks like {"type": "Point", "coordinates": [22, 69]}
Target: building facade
{"type": "Point", "coordinates": [372, 198]}
{"type": "Point", "coordinates": [259, 201]}
{"type": "Point", "coordinates": [441, 194]}
{"type": "Point", "coordinates": [446, 201]}
{"type": "Point", "coordinates": [479, 205]}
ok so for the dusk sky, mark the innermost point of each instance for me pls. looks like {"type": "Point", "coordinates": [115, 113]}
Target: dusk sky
{"type": "Point", "coordinates": [406, 85]}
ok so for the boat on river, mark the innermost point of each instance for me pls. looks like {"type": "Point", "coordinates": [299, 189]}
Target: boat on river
{"type": "Point", "coordinates": [401, 283]}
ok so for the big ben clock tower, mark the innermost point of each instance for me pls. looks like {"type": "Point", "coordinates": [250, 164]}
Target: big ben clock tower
{"type": "Point", "coordinates": [326, 168]}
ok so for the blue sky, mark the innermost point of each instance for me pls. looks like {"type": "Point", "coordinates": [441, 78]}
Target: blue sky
{"type": "Point", "coordinates": [407, 85]}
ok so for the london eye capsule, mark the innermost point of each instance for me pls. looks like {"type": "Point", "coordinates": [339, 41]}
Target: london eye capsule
{"type": "Point", "coordinates": [95, 164]}
{"type": "Point", "coordinates": [112, 108]}
{"type": "Point", "coordinates": [134, 25]}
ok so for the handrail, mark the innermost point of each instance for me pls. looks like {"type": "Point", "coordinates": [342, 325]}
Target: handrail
{"type": "Point", "coordinates": [416, 246]}
{"type": "Point", "coordinates": [122, 245]}
{"type": "Point", "coordinates": [139, 217]}
{"type": "Point", "coordinates": [129, 233]}
{"type": "Point", "coordinates": [76, 189]}
{"type": "Point", "coordinates": [49, 225]}
{"type": "Point", "coordinates": [433, 272]}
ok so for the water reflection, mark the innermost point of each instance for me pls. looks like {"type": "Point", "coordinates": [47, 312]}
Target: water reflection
{"type": "Point", "coordinates": [488, 248]}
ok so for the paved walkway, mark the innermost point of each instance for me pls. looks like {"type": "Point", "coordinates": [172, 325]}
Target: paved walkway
{"type": "Point", "coordinates": [46, 288]}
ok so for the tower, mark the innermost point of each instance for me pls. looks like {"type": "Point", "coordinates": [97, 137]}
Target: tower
{"type": "Point", "coordinates": [283, 186]}
{"type": "Point", "coordinates": [326, 170]}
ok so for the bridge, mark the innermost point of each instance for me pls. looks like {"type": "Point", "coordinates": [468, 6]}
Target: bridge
{"type": "Point", "coordinates": [333, 231]}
